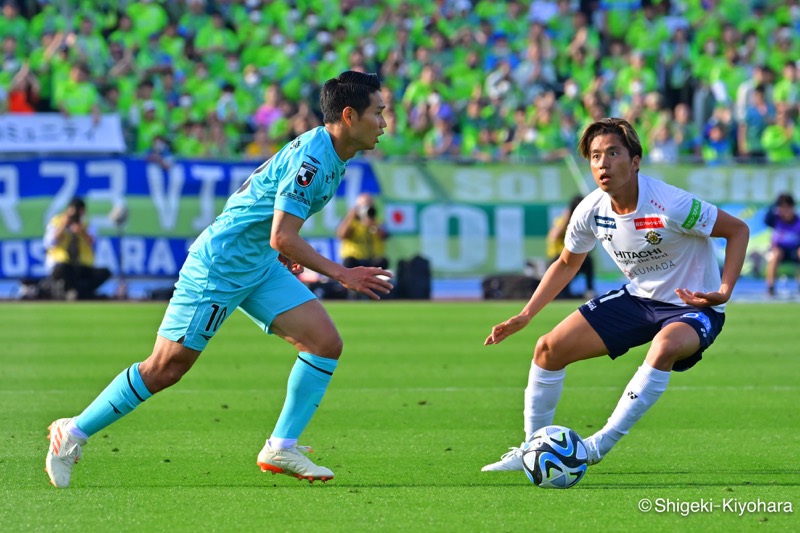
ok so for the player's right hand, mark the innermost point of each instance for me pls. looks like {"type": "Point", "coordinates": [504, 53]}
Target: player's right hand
{"type": "Point", "coordinates": [294, 268]}
{"type": "Point", "coordinates": [367, 280]}
{"type": "Point", "coordinates": [505, 329]}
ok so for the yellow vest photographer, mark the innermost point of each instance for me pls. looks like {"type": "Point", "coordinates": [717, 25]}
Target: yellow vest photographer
{"type": "Point", "coordinates": [362, 235]}
{"type": "Point", "coordinates": [70, 255]}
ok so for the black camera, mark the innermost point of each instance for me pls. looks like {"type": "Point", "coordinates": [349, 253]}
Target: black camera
{"type": "Point", "coordinates": [367, 211]}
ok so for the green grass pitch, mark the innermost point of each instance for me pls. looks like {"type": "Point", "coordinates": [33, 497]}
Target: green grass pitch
{"type": "Point", "coordinates": [417, 406]}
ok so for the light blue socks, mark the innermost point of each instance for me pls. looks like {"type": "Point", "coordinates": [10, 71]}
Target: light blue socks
{"type": "Point", "coordinates": [122, 396]}
{"type": "Point", "coordinates": [307, 384]}
{"type": "Point", "coordinates": [308, 381]}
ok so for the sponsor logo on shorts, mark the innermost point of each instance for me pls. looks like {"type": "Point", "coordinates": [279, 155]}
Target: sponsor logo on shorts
{"type": "Point", "coordinates": [605, 222]}
{"type": "Point", "coordinates": [306, 174]}
{"type": "Point", "coordinates": [694, 215]}
{"type": "Point", "coordinates": [703, 319]}
{"type": "Point", "coordinates": [648, 223]}
{"type": "Point", "coordinates": [653, 237]}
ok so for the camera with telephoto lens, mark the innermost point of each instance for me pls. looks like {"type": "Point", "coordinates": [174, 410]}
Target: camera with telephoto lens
{"type": "Point", "coordinates": [366, 211]}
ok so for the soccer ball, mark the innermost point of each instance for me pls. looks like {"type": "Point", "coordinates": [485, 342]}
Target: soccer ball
{"type": "Point", "coordinates": [554, 458]}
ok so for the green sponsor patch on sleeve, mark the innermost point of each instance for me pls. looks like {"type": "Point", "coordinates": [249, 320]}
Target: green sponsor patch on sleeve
{"type": "Point", "coordinates": [694, 215]}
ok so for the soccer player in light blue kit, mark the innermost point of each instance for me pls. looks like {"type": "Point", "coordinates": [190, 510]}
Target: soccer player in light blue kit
{"type": "Point", "coordinates": [248, 259]}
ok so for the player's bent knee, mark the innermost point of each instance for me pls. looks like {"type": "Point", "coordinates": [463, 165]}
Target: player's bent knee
{"type": "Point", "coordinates": [164, 368]}
{"type": "Point", "coordinates": [174, 372]}
{"type": "Point", "coordinates": [546, 356]}
{"type": "Point", "coordinates": [324, 344]}
{"type": "Point", "coordinates": [663, 355]}
{"type": "Point", "coordinates": [163, 374]}
{"type": "Point", "coordinates": [661, 361]}
{"type": "Point", "coordinates": [331, 347]}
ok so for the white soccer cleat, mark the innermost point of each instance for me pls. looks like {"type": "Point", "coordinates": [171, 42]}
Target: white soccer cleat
{"type": "Point", "coordinates": [292, 462]}
{"type": "Point", "coordinates": [510, 461]}
{"type": "Point", "coordinates": [592, 450]}
{"type": "Point", "coordinates": [63, 453]}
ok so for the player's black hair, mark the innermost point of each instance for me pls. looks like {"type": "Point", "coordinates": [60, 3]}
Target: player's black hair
{"type": "Point", "coordinates": [349, 89]}
{"type": "Point", "coordinates": [611, 126]}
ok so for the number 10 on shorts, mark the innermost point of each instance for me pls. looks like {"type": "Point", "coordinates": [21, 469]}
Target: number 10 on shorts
{"type": "Point", "coordinates": [218, 315]}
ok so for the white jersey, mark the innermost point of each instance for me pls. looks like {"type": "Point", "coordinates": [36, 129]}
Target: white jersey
{"type": "Point", "coordinates": [662, 246]}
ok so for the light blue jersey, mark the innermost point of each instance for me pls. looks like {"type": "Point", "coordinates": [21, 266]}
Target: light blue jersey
{"type": "Point", "coordinates": [231, 264]}
{"type": "Point", "coordinates": [300, 179]}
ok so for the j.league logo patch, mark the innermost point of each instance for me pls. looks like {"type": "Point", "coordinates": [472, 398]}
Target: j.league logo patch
{"type": "Point", "coordinates": [306, 174]}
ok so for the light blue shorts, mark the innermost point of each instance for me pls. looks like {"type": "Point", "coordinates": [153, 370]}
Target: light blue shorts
{"type": "Point", "coordinates": [203, 300]}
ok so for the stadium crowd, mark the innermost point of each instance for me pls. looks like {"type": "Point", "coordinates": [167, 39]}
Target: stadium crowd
{"type": "Point", "coordinates": [712, 81]}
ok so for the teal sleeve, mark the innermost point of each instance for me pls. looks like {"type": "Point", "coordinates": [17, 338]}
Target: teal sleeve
{"type": "Point", "coordinates": [297, 187]}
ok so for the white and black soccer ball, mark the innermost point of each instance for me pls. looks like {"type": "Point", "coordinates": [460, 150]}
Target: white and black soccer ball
{"type": "Point", "coordinates": [554, 458]}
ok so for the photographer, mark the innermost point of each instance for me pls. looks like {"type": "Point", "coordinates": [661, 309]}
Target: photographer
{"type": "Point", "coordinates": [70, 255]}
{"type": "Point", "coordinates": [362, 235]}
{"type": "Point", "coordinates": [785, 242]}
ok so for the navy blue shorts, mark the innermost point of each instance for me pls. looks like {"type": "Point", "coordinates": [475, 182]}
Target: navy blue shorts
{"type": "Point", "coordinates": [789, 254]}
{"type": "Point", "coordinates": [624, 321]}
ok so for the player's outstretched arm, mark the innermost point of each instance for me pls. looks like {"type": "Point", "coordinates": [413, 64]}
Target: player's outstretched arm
{"type": "Point", "coordinates": [737, 235]}
{"type": "Point", "coordinates": [286, 239]}
{"type": "Point", "coordinates": [557, 276]}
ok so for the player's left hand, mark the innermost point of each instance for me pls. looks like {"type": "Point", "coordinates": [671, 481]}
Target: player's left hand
{"type": "Point", "coordinates": [294, 268]}
{"type": "Point", "coordinates": [371, 281]}
{"type": "Point", "coordinates": [701, 299]}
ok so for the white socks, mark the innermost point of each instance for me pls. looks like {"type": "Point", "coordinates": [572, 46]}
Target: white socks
{"type": "Point", "coordinates": [75, 430]}
{"type": "Point", "coordinates": [544, 391]}
{"type": "Point", "coordinates": [541, 397]}
{"type": "Point", "coordinates": [281, 444]}
{"type": "Point", "coordinates": [644, 389]}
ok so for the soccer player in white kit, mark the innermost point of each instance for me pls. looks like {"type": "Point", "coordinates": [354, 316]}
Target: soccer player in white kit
{"type": "Point", "coordinates": [659, 237]}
